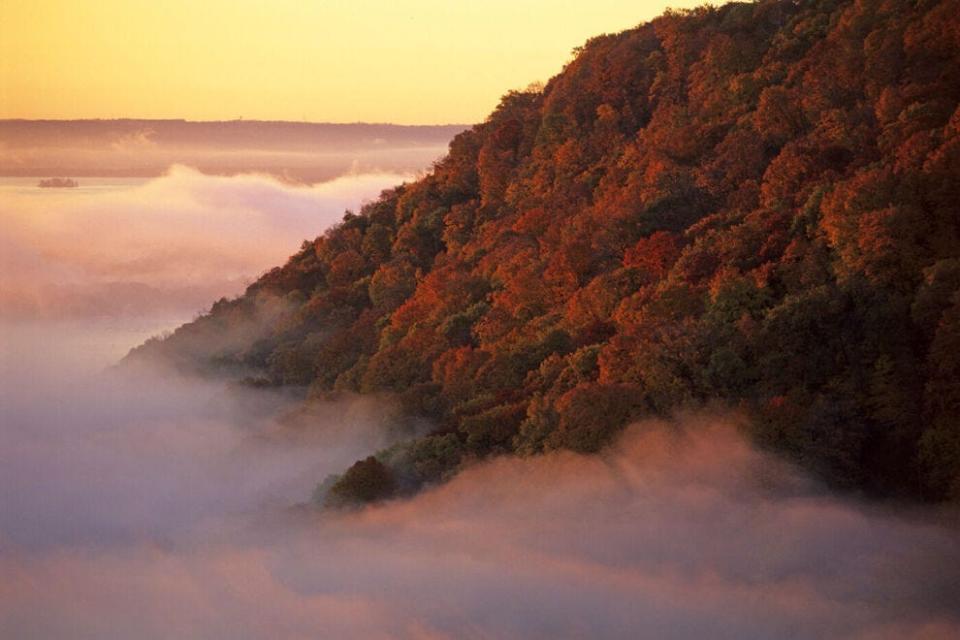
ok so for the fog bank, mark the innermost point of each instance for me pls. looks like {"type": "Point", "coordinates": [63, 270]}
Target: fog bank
{"type": "Point", "coordinates": [166, 247]}
{"type": "Point", "coordinates": [679, 531]}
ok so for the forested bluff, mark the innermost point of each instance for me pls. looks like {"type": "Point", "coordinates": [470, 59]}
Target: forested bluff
{"type": "Point", "coordinates": [755, 206]}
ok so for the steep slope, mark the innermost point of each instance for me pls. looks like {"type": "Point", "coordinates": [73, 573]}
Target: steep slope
{"type": "Point", "coordinates": [756, 203]}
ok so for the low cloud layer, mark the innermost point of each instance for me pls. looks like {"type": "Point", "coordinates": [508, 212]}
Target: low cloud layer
{"type": "Point", "coordinates": [114, 460]}
{"type": "Point", "coordinates": [163, 514]}
{"type": "Point", "coordinates": [167, 247]}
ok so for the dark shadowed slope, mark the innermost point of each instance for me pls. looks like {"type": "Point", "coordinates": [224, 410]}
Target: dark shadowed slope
{"type": "Point", "coordinates": [756, 203]}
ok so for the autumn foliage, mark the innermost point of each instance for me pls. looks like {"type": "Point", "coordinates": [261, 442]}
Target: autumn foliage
{"type": "Point", "coordinates": [757, 203]}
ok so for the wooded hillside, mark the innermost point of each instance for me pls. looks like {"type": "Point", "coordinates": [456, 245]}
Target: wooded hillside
{"type": "Point", "coordinates": [757, 204]}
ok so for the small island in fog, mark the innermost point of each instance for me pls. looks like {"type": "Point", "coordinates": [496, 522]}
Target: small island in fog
{"type": "Point", "coordinates": [58, 183]}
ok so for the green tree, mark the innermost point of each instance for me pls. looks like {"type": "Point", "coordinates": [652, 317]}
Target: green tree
{"type": "Point", "coordinates": [367, 481]}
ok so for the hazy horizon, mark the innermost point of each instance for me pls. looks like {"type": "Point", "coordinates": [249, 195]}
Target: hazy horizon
{"type": "Point", "coordinates": [241, 119]}
{"type": "Point", "coordinates": [293, 151]}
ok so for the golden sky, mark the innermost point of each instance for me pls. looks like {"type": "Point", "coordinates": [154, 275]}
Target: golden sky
{"type": "Point", "coordinates": [404, 61]}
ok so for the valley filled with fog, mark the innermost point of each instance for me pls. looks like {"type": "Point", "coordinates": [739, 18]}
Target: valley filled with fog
{"type": "Point", "coordinates": [145, 504]}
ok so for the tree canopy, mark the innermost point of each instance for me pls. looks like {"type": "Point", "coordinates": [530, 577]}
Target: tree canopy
{"type": "Point", "coordinates": [757, 203]}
